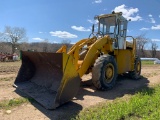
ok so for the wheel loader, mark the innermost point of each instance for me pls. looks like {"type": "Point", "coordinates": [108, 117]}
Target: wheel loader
{"type": "Point", "coordinates": [53, 79]}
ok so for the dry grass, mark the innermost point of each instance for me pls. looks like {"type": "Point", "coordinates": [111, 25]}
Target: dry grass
{"type": "Point", "coordinates": [9, 67]}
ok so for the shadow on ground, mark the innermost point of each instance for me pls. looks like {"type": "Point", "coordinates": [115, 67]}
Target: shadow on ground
{"type": "Point", "coordinates": [124, 86]}
{"type": "Point", "coordinates": [65, 112]}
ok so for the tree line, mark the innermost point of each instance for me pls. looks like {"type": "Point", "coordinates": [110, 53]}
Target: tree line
{"type": "Point", "coordinates": [14, 39]}
{"type": "Point", "coordinates": [147, 47]}
{"type": "Point", "coordinates": [6, 47]}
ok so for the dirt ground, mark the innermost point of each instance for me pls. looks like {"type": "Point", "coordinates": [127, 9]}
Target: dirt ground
{"type": "Point", "coordinates": [86, 96]}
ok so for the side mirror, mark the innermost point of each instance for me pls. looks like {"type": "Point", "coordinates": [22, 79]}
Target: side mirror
{"type": "Point", "coordinates": [93, 28]}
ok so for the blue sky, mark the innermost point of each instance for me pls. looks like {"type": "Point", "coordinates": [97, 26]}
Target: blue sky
{"type": "Point", "coordinates": [57, 20]}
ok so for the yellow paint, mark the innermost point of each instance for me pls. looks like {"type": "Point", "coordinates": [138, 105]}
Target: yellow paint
{"type": "Point", "coordinates": [109, 74]}
{"type": "Point", "coordinates": [123, 59]}
{"type": "Point", "coordinates": [98, 45]}
{"type": "Point", "coordinates": [62, 49]}
{"type": "Point", "coordinates": [65, 59]}
{"type": "Point", "coordinates": [69, 73]}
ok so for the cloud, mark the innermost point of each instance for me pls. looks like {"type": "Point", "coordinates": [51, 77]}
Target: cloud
{"type": "Point", "coordinates": [152, 20]}
{"type": "Point", "coordinates": [159, 16]}
{"type": "Point", "coordinates": [156, 27]}
{"type": "Point", "coordinates": [73, 43]}
{"type": "Point", "coordinates": [137, 18]}
{"type": "Point", "coordinates": [97, 1]}
{"type": "Point", "coordinates": [63, 34]}
{"type": "Point", "coordinates": [55, 42]}
{"type": "Point", "coordinates": [144, 28]}
{"type": "Point", "coordinates": [156, 40]}
{"type": "Point", "coordinates": [93, 21]}
{"type": "Point", "coordinates": [80, 28]}
{"type": "Point", "coordinates": [128, 13]}
{"type": "Point", "coordinates": [38, 39]}
{"type": "Point", "coordinates": [42, 32]}
{"type": "Point", "coordinates": [150, 15]}
{"type": "Point", "coordinates": [129, 30]}
{"type": "Point", "coordinates": [6, 33]}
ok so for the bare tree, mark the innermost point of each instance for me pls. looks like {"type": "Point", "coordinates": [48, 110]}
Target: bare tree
{"type": "Point", "coordinates": [141, 42]}
{"type": "Point", "coordinates": [24, 46]}
{"type": "Point", "coordinates": [1, 34]}
{"type": "Point", "coordinates": [5, 47]}
{"type": "Point", "coordinates": [45, 45]}
{"type": "Point", "coordinates": [14, 35]}
{"type": "Point", "coordinates": [67, 43]}
{"type": "Point", "coordinates": [154, 47]}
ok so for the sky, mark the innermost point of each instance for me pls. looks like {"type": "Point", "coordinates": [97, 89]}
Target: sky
{"type": "Point", "coordinates": [58, 20]}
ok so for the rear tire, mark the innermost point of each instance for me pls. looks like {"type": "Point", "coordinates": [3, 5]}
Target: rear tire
{"type": "Point", "coordinates": [135, 74]}
{"type": "Point", "coordinates": [104, 72]}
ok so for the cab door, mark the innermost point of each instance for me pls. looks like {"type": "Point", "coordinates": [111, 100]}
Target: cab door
{"type": "Point", "coordinates": [122, 30]}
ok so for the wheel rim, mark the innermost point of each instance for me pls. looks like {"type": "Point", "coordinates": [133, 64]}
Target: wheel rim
{"type": "Point", "coordinates": [109, 73]}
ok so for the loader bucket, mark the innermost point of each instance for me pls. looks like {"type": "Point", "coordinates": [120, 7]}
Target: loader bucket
{"type": "Point", "coordinates": [50, 78]}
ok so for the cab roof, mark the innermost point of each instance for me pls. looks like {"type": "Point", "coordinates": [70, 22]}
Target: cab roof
{"type": "Point", "coordinates": [117, 14]}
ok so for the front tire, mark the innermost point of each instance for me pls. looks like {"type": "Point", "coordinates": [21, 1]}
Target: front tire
{"type": "Point", "coordinates": [104, 72]}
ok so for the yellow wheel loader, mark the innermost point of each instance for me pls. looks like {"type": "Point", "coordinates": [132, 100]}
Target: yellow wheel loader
{"type": "Point", "coordinates": [54, 78]}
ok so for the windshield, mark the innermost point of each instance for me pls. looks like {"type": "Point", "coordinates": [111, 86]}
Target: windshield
{"type": "Point", "coordinates": [107, 25]}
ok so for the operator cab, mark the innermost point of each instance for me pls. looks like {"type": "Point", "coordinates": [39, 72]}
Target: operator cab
{"type": "Point", "coordinates": [114, 25]}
